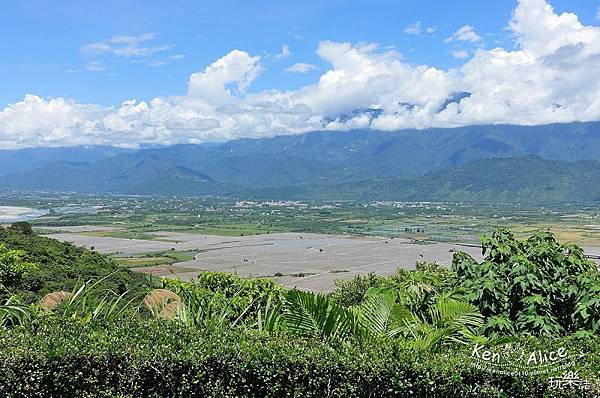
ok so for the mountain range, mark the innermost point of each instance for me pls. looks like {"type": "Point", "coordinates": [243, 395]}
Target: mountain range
{"type": "Point", "coordinates": [528, 179]}
{"type": "Point", "coordinates": [29, 159]}
{"type": "Point", "coordinates": [480, 163]}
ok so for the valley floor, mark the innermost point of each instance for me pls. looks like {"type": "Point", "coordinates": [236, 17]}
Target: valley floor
{"type": "Point", "coordinates": [306, 261]}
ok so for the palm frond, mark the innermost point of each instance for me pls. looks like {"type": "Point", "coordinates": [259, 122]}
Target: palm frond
{"type": "Point", "coordinates": [309, 314]}
{"type": "Point", "coordinates": [13, 313]}
{"type": "Point", "coordinates": [380, 315]}
{"type": "Point", "coordinates": [456, 313]}
{"type": "Point", "coordinates": [269, 318]}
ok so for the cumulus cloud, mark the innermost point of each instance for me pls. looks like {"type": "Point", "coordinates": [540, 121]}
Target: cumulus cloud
{"type": "Point", "coordinates": [363, 75]}
{"type": "Point", "coordinates": [465, 33]}
{"type": "Point", "coordinates": [552, 75]}
{"type": "Point", "coordinates": [300, 67]}
{"type": "Point", "coordinates": [417, 29]}
{"type": "Point", "coordinates": [39, 122]}
{"type": "Point", "coordinates": [212, 84]}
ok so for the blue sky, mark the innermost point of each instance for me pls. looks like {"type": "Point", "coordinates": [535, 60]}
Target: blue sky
{"type": "Point", "coordinates": [104, 53]}
{"type": "Point", "coordinates": [43, 55]}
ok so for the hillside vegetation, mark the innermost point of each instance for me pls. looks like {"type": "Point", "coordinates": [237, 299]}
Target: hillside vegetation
{"type": "Point", "coordinates": [416, 333]}
{"type": "Point", "coordinates": [42, 265]}
{"type": "Point", "coordinates": [401, 164]}
{"type": "Point", "coordinates": [529, 179]}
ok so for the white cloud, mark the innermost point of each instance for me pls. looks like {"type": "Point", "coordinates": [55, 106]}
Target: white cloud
{"type": "Point", "coordinates": [165, 60]}
{"type": "Point", "coordinates": [364, 76]}
{"type": "Point", "coordinates": [95, 66]}
{"type": "Point", "coordinates": [414, 29]}
{"type": "Point", "coordinates": [38, 122]}
{"type": "Point", "coordinates": [460, 54]}
{"type": "Point", "coordinates": [136, 49]}
{"type": "Point", "coordinates": [417, 29]}
{"type": "Point", "coordinates": [211, 85]}
{"type": "Point", "coordinates": [552, 75]}
{"type": "Point", "coordinates": [126, 46]}
{"type": "Point", "coordinates": [465, 33]}
{"type": "Point", "coordinates": [285, 52]}
{"type": "Point", "coordinates": [132, 41]}
{"type": "Point", "coordinates": [300, 67]}
{"type": "Point", "coordinates": [96, 48]}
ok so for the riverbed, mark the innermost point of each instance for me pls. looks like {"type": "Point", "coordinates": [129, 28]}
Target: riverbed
{"type": "Point", "coordinates": [12, 214]}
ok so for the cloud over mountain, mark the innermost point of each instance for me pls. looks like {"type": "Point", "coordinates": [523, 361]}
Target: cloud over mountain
{"type": "Point", "coordinates": [552, 75]}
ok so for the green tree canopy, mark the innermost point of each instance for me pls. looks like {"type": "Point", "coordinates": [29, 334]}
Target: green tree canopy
{"type": "Point", "coordinates": [536, 286]}
{"type": "Point", "coordinates": [13, 267]}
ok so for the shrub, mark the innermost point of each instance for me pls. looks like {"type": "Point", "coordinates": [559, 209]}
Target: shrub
{"type": "Point", "coordinates": [536, 286]}
{"type": "Point", "coordinates": [13, 268]}
{"type": "Point", "coordinates": [163, 359]}
{"type": "Point", "coordinates": [240, 296]}
{"type": "Point", "coordinates": [417, 289]}
{"type": "Point", "coordinates": [352, 292]}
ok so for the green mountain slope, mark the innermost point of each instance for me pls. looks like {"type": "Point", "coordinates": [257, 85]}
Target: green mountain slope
{"type": "Point", "coordinates": [22, 160]}
{"type": "Point", "coordinates": [520, 179]}
{"type": "Point", "coordinates": [320, 159]}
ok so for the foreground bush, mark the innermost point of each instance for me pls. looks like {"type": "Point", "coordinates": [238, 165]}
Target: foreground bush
{"type": "Point", "coordinates": [537, 285]}
{"type": "Point", "coordinates": [417, 333]}
{"type": "Point", "coordinates": [61, 358]}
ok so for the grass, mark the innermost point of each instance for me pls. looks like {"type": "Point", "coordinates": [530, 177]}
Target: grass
{"type": "Point", "coordinates": [133, 262]}
{"type": "Point", "coordinates": [180, 256]}
{"type": "Point", "coordinates": [156, 258]}
{"type": "Point", "coordinates": [126, 234]}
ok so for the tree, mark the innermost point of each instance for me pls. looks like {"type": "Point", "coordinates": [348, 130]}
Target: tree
{"type": "Point", "coordinates": [22, 227]}
{"type": "Point", "coordinates": [536, 286]}
{"type": "Point", "coordinates": [13, 267]}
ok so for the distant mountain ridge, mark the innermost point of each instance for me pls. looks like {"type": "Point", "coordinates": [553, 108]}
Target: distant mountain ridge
{"type": "Point", "coordinates": [528, 179]}
{"type": "Point", "coordinates": [22, 160]}
{"type": "Point", "coordinates": [312, 160]}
